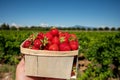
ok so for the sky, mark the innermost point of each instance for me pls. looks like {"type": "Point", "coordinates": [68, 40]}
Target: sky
{"type": "Point", "coordinates": [92, 13]}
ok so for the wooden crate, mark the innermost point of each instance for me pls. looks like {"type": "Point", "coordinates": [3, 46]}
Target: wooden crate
{"type": "Point", "coordinates": [44, 63]}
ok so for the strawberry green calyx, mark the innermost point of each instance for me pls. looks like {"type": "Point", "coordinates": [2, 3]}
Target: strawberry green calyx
{"type": "Point", "coordinates": [72, 37]}
{"type": "Point", "coordinates": [62, 39]}
{"type": "Point", "coordinates": [32, 37]}
{"type": "Point", "coordinates": [45, 41]}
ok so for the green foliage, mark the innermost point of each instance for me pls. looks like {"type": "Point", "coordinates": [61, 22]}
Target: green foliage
{"type": "Point", "coordinates": [96, 72]}
{"type": "Point", "coordinates": [10, 45]}
{"type": "Point", "coordinates": [105, 52]}
{"type": "Point", "coordinates": [2, 42]}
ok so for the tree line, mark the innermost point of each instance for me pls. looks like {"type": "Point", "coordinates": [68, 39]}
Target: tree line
{"type": "Point", "coordinates": [5, 26]}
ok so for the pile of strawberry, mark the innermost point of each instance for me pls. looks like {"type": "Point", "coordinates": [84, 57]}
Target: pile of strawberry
{"type": "Point", "coordinates": [53, 40]}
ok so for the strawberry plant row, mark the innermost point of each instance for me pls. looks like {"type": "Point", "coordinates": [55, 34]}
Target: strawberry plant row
{"type": "Point", "coordinates": [105, 57]}
{"type": "Point", "coordinates": [9, 46]}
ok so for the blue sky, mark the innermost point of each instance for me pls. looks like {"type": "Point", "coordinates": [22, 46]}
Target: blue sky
{"type": "Point", "coordinates": [93, 13]}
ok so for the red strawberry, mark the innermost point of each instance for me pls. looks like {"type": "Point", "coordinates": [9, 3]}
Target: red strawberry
{"type": "Point", "coordinates": [64, 40]}
{"type": "Point", "coordinates": [47, 44]}
{"type": "Point", "coordinates": [35, 48]}
{"type": "Point", "coordinates": [64, 47]}
{"type": "Point", "coordinates": [73, 37]}
{"type": "Point", "coordinates": [61, 34]}
{"type": "Point", "coordinates": [37, 43]}
{"type": "Point", "coordinates": [54, 31]}
{"type": "Point", "coordinates": [64, 37]}
{"type": "Point", "coordinates": [64, 34]}
{"type": "Point", "coordinates": [40, 35]}
{"type": "Point", "coordinates": [67, 35]}
{"type": "Point", "coordinates": [27, 44]}
{"type": "Point", "coordinates": [49, 36]}
{"type": "Point", "coordinates": [56, 40]}
{"type": "Point", "coordinates": [54, 47]}
{"type": "Point", "coordinates": [74, 45]}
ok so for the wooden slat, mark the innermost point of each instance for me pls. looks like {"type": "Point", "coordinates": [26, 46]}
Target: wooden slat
{"type": "Point", "coordinates": [55, 67]}
{"type": "Point", "coordinates": [30, 65]}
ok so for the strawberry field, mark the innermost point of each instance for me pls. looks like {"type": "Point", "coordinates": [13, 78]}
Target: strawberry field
{"type": "Point", "coordinates": [101, 49]}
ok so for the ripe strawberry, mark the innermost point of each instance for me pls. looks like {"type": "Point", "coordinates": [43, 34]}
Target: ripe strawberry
{"type": "Point", "coordinates": [35, 48]}
{"type": "Point", "coordinates": [73, 37]}
{"type": "Point", "coordinates": [54, 31]}
{"type": "Point", "coordinates": [49, 36]}
{"type": "Point", "coordinates": [67, 35]}
{"type": "Point", "coordinates": [74, 45]}
{"type": "Point", "coordinates": [27, 44]}
{"type": "Point", "coordinates": [56, 40]}
{"type": "Point", "coordinates": [64, 47]}
{"type": "Point", "coordinates": [61, 34]}
{"type": "Point", "coordinates": [37, 43]}
{"type": "Point", "coordinates": [64, 37]}
{"type": "Point", "coordinates": [46, 45]}
{"type": "Point", "coordinates": [64, 40]}
{"type": "Point", "coordinates": [54, 47]}
{"type": "Point", "coordinates": [40, 36]}
{"type": "Point", "coordinates": [64, 34]}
